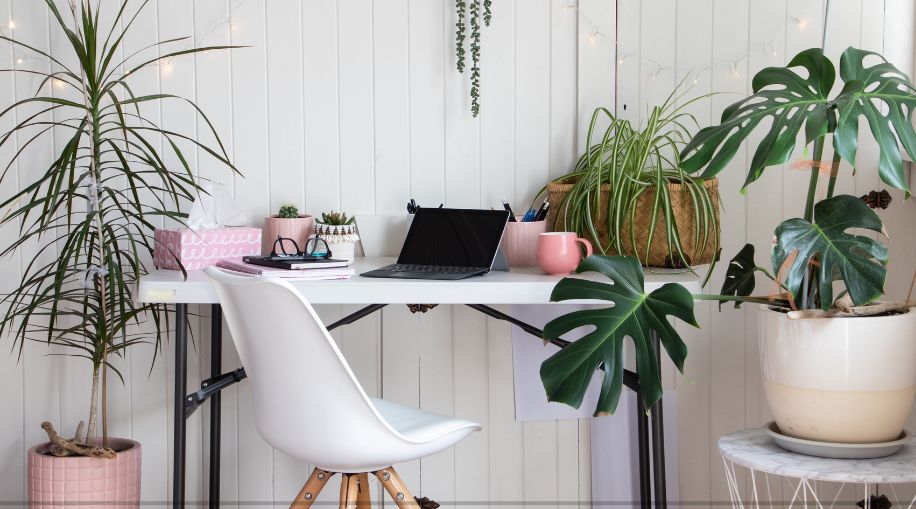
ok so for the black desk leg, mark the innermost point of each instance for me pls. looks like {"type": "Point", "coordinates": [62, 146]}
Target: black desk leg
{"type": "Point", "coordinates": [642, 433]}
{"type": "Point", "coordinates": [181, 388]}
{"type": "Point", "coordinates": [216, 369]}
{"type": "Point", "coordinates": [658, 441]}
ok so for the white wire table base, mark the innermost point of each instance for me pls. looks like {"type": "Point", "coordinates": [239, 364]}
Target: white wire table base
{"type": "Point", "coordinates": [760, 474]}
{"type": "Point", "coordinates": [760, 489]}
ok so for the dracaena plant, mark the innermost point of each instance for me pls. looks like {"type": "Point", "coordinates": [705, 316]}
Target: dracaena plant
{"type": "Point", "coordinates": [85, 220]}
{"type": "Point", "coordinates": [810, 253]}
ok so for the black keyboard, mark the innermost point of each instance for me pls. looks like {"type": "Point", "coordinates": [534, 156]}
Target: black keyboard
{"type": "Point", "coordinates": [444, 269]}
{"type": "Point", "coordinates": [415, 271]}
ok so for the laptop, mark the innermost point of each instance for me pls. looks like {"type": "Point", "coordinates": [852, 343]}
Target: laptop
{"type": "Point", "coordinates": [448, 244]}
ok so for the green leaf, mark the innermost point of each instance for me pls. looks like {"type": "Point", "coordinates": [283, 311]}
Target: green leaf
{"type": "Point", "coordinates": [635, 315]}
{"type": "Point", "coordinates": [789, 99]}
{"type": "Point", "coordinates": [884, 96]}
{"type": "Point", "coordinates": [859, 261]}
{"type": "Point", "coordinates": [739, 278]}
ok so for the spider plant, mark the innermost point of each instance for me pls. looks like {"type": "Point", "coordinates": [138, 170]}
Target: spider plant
{"type": "Point", "coordinates": [87, 218]}
{"type": "Point", "coordinates": [621, 183]}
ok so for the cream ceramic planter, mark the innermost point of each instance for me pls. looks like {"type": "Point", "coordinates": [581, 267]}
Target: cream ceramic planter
{"type": "Point", "coordinates": [88, 483]}
{"type": "Point", "coordinates": [849, 380]}
{"type": "Point", "coordinates": [341, 239]}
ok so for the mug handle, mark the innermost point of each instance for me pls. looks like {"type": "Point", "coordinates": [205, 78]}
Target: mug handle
{"type": "Point", "coordinates": [587, 244]}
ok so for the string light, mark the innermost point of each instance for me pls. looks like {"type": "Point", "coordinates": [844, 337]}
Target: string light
{"type": "Point", "coordinates": [767, 47]}
{"type": "Point", "coordinates": [11, 25]}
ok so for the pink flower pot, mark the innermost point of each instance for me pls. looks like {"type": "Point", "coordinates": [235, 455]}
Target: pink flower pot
{"type": "Point", "coordinates": [297, 228]}
{"type": "Point", "coordinates": [89, 483]}
{"type": "Point", "coordinates": [520, 242]}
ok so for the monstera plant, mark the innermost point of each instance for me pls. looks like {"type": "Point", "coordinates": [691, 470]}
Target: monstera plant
{"type": "Point", "coordinates": [809, 256]}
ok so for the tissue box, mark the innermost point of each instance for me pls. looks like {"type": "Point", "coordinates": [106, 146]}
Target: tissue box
{"type": "Point", "coordinates": [198, 249]}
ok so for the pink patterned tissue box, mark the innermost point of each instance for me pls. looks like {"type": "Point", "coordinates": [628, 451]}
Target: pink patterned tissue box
{"type": "Point", "coordinates": [198, 249]}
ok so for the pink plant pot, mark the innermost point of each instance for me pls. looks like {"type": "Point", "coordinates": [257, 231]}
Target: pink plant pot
{"type": "Point", "coordinates": [520, 242]}
{"type": "Point", "coordinates": [89, 483]}
{"type": "Point", "coordinates": [296, 228]}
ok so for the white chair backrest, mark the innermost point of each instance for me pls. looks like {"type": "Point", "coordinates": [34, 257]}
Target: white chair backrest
{"type": "Point", "coordinates": [307, 402]}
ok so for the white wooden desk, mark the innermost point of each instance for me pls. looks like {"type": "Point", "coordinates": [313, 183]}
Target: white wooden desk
{"type": "Point", "coordinates": [517, 286]}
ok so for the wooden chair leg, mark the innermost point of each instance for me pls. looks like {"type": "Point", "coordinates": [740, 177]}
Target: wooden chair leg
{"type": "Point", "coordinates": [311, 489]}
{"type": "Point", "coordinates": [396, 488]}
{"type": "Point", "coordinates": [349, 491]}
{"type": "Point", "coordinates": [363, 499]}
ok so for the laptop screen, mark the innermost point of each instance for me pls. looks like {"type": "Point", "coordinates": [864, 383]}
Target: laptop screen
{"type": "Point", "coordinates": [454, 237]}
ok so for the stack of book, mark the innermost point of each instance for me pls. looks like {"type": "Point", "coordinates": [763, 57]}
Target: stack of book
{"type": "Point", "coordinates": [308, 274]}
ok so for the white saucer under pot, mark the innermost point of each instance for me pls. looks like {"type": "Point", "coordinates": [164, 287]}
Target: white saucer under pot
{"type": "Point", "coordinates": [841, 380]}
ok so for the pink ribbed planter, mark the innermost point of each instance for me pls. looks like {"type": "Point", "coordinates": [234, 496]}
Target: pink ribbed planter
{"type": "Point", "coordinates": [88, 483]}
{"type": "Point", "coordinates": [297, 228]}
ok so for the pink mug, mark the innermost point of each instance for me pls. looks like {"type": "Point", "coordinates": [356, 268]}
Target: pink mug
{"type": "Point", "coordinates": [559, 254]}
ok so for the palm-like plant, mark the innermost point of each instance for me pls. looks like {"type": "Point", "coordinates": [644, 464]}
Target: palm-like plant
{"type": "Point", "coordinates": [92, 210]}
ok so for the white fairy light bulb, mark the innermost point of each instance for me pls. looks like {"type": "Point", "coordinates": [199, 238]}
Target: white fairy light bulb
{"type": "Point", "coordinates": [11, 25]}
{"type": "Point", "coordinates": [167, 68]}
{"type": "Point", "coordinates": [593, 37]}
{"type": "Point", "coordinates": [801, 22]}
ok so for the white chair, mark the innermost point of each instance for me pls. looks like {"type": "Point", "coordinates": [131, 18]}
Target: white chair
{"type": "Point", "coordinates": [309, 405]}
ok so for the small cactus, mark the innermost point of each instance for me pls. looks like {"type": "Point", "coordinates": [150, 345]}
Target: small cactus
{"type": "Point", "coordinates": [336, 218]}
{"type": "Point", "coordinates": [288, 211]}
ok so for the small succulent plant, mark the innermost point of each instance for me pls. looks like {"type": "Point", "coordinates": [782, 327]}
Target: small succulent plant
{"type": "Point", "coordinates": [336, 218]}
{"type": "Point", "coordinates": [288, 211]}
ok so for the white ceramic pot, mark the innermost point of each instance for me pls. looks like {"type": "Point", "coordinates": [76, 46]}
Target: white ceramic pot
{"type": "Point", "coordinates": [849, 380]}
{"type": "Point", "coordinates": [341, 239]}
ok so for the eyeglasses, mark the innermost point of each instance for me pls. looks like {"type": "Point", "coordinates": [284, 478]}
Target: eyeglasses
{"type": "Point", "coordinates": [316, 248]}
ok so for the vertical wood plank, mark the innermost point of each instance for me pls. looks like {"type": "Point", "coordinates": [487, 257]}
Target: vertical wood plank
{"type": "Point", "coordinates": [598, 31]}
{"type": "Point", "coordinates": [726, 382]}
{"type": "Point", "coordinates": [462, 131]}
{"type": "Point", "coordinates": [355, 75]}
{"type": "Point", "coordinates": [12, 398]}
{"type": "Point", "coordinates": [285, 113]}
{"type": "Point", "coordinates": [693, 60]}
{"type": "Point", "coordinates": [469, 351]}
{"type": "Point", "coordinates": [532, 100]}
{"type": "Point", "coordinates": [437, 394]}
{"type": "Point", "coordinates": [506, 461]}
{"type": "Point", "coordinates": [563, 86]}
{"type": "Point", "coordinates": [497, 110]}
{"type": "Point", "coordinates": [392, 105]}
{"type": "Point", "coordinates": [322, 105]}
{"type": "Point", "coordinates": [427, 43]}
{"type": "Point", "coordinates": [41, 369]}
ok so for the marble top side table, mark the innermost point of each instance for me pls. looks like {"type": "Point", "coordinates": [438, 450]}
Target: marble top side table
{"type": "Point", "coordinates": [777, 477]}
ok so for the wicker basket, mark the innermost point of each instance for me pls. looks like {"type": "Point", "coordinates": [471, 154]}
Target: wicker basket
{"type": "Point", "coordinates": [682, 208]}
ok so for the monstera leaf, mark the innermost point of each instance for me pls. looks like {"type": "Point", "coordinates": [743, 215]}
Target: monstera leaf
{"type": "Point", "coordinates": [635, 314]}
{"type": "Point", "coordinates": [739, 278]}
{"type": "Point", "coordinates": [857, 260]}
{"type": "Point", "coordinates": [868, 91]}
{"type": "Point", "coordinates": [792, 102]}
{"type": "Point", "coordinates": [881, 93]}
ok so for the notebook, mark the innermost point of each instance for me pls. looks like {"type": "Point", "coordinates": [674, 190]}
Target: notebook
{"type": "Point", "coordinates": [295, 263]}
{"type": "Point", "coordinates": [255, 270]}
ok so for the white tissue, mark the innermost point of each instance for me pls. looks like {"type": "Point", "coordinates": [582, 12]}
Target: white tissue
{"type": "Point", "coordinates": [215, 208]}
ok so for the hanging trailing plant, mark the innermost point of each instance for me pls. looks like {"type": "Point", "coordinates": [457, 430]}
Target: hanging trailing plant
{"type": "Point", "coordinates": [470, 14]}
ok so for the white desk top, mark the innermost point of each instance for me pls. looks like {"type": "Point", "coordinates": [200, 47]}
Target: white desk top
{"type": "Point", "coordinates": [518, 286]}
{"type": "Point", "coordinates": [755, 450]}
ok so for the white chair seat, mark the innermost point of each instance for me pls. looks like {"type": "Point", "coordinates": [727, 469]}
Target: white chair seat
{"type": "Point", "coordinates": [423, 427]}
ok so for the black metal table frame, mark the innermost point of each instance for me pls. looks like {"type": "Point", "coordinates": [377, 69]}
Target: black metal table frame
{"type": "Point", "coordinates": [650, 435]}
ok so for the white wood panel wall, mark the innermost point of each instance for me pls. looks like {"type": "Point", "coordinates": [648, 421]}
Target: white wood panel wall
{"type": "Point", "coordinates": [356, 105]}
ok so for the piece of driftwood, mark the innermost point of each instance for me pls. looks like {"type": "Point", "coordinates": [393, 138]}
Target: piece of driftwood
{"type": "Point", "coordinates": [71, 447]}
{"type": "Point", "coordinates": [844, 307]}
